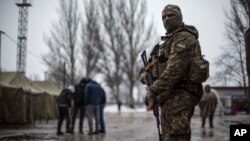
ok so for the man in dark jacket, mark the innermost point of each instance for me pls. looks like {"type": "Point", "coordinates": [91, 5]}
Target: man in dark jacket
{"type": "Point", "coordinates": [92, 100]}
{"type": "Point", "coordinates": [101, 109]}
{"type": "Point", "coordinates": [78, 105]}
{"type": "Point", "coordinates": [64, 103]}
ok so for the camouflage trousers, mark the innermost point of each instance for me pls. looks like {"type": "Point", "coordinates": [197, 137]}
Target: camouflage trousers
{"type": "Point", "coordinates": [176, 117]}
{"type": "Point", "coordinates": [186, 137]}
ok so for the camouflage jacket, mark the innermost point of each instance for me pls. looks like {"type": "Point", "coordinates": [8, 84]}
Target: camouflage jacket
{"type": "Point", "coordinates": [173, 63]}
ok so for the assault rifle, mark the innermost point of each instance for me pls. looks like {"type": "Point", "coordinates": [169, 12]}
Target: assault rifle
{"type": "Point", "coordinates": [149, 79]}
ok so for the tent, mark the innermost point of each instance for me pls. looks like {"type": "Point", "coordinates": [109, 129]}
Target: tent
{"type": "Point", "coordinates": [46, 101]}
{"type": "Point", "coordinates": [48, 87]}
{"type": "Point", "coordinates": [23, 101]}
{"type": "Point", "coordinates": [15, 105]}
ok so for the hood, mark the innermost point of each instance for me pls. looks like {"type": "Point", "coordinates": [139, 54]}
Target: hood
{"type": "Point", "coordinates": [191, 29]}
{"type": "Point", "coordinates": [92, 81]}
{"type": "Point", "coordinates": [71, 88]}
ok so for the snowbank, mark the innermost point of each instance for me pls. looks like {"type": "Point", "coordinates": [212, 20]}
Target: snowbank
{"type": "Point", "coordinates": [114, 109]}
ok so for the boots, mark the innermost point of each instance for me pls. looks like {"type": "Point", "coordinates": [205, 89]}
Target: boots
{"type": "Point", "coordinates": [69, 131]}
{"type": "Point", "coordinates": [80, 131]}
{"type": "Point", "coordinates": [59, 133]}
{"type": "Point", "coordinates": [211, 121]}
{"type": "Point", "coordinates": [203, 122]}
{"type": "Point", "coordinates": [96, 132]}
{"type": "Point", "coordinates": [90, 132]}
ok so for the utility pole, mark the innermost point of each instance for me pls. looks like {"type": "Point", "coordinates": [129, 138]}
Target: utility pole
{"type": "Point", "coordinates": [1, 32]}
{"type": "Point", "coordinates": [45, 76]}
{"type": "Point", "coordinates": [247, 44]}
{"type": "Point", "coordinates": [22, 34]}
{"type": "Point", "coordinates": [64, 74]}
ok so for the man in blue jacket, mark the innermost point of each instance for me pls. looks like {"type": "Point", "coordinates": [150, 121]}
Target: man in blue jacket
{"type": "Point", "coordinates": [92, 100]}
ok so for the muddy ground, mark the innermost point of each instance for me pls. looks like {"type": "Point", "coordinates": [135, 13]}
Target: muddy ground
{"type": "Point", "coordinates": [135, 126]}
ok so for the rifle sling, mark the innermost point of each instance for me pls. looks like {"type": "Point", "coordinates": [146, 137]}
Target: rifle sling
{"type": "Point", "coordinates": [151, 64]}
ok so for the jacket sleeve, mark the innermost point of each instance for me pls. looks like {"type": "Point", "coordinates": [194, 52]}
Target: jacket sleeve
{"type": "Point", "coordinates": [104, 96]}
{"type": "Point", "coordinates": [215, 100]}
{"type": "Point", "coordinates": [86, 94]}
{"type": "Point", "coordinates": [69, 94]}
{"type": "Point", "coordinates": [177, 65]}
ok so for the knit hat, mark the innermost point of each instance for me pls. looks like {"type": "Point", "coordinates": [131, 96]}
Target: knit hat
{"type": "Point", "coordinates": [71, 88]}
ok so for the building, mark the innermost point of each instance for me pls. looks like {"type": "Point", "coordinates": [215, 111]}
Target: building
{"type": "Point", "coordinates": [233, 99]}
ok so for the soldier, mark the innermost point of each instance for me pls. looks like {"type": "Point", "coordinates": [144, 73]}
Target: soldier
{"type": "Point", "coordinates": [172, 90]}
{"type": "Point", "coordinates": [207, 106]}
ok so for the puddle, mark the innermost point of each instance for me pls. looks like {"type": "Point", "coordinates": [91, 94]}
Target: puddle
{"type": "Point", "coordinates": [29, 137]}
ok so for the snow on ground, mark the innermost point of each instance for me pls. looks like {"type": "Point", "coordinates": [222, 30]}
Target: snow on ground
{"type": "Point", "coordinates": [114, 109]}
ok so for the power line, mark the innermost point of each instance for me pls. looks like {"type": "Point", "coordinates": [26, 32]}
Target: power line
{"type": "Point", "coordinates": [14, 41]}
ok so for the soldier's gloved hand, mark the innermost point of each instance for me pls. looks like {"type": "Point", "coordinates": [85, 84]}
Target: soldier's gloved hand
{"type": "Point", "coordinates": [150, 106]}
{"type": "Point", "coordinates": [150, 98]}
{"type": "Point", "coordinates": [143, 76]}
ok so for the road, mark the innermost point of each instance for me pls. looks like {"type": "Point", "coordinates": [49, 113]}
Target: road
{"type": "Point", "coordinates": [132, 126]}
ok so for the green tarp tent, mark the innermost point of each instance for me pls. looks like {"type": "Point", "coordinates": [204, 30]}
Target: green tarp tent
{"type": "Point", "coordinates": [46, 103]}
{"type": "Point", "coordinates": [23, 101]}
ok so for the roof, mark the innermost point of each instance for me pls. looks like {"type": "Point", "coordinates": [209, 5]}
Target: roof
{"type": "Point", "coordinates": [18, 80]}
{"type": "Point", "coordinates": [48, 86]}
{"type": "Point", "coordinates": [230, 88]}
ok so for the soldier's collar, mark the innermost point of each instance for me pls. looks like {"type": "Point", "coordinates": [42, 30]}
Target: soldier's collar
{"type": "Point", "coordinates": [163, 38]}
{"type": "Point", "coordinates": [168, 35]}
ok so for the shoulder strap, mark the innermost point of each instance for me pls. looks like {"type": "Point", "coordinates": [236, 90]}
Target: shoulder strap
{"type": "Point", "coordinates": [151, 64]}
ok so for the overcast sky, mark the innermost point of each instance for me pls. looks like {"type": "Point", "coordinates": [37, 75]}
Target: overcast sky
{"type": "Point", "coordinates": [206, 15]}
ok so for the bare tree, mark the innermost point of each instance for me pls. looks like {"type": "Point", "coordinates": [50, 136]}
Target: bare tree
{"type": "Point", "coordinates": [137, 36]}
{"type": "Point", "coordinates": [62, 41]}
{"type": "Point", "coordinates": [91, 45]}
{"type": "Point", "coordinates": [112, 33]}
{"type": "Point", "coordinates": [54, 61]}
{"type": "Point", "coordinates": [245, 5]}
{"type": "Point", "coordinates": [232, 62]}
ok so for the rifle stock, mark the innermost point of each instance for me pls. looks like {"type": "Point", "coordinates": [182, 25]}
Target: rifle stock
{"type": "Point", "coordinates": [150, 82]}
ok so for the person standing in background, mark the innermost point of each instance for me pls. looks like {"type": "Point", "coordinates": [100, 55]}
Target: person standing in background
{"type": "Point", "coordinates": [207, 106]}
{"type": "Point", "coordinates": [119, 103]}
{"type": "Point", "coordinates": [78, 105]}
{"type": "Point", "coordinates": [92, 101]}
{"type": "Point", "coordinates": [64, 104]}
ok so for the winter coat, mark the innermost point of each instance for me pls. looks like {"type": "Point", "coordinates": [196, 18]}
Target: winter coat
{"type": "Point", "coordinates": [103, 97]}
{"type": "Point", "coordinates": [92, 93]}
{"type": "Point", "coordinates": [64, 99]}
{"type": "Point", "coordinates": [208, 104]}
{"type": "Point", "coordinates": [79, 95]}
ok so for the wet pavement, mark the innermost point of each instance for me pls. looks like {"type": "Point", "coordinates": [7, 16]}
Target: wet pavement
{"type": "Point", "coordinates": [133, 126]}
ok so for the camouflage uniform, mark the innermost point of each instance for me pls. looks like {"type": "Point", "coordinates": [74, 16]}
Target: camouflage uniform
{"type": "Point", "coordinates": [176, 95]}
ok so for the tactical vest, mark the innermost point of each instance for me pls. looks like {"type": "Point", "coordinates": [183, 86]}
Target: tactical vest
{"type": "Point", "coordinates": [164, 51]}
{"type": "Point", "coordinates": [159, 56]}
{"type": "Point", "coordinates": [195, 66]}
